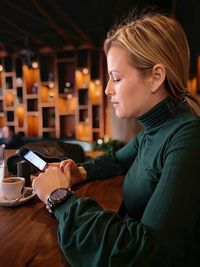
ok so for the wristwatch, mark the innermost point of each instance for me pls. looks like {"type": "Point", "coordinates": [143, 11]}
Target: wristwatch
{"type": "Point", "coordinates": [58, 196]}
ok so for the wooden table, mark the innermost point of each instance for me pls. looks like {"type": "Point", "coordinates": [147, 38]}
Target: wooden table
{"type": "Point", "coordinates": [28, 234]}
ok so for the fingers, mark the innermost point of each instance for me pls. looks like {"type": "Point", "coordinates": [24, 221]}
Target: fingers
{"type": "Point", "coordinates": [69, 162]}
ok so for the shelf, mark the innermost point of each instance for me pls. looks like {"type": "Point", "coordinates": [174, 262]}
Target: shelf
{"type": "Point", "coordinates": [47, 105]}
{"type": "Point", "coordinates": [10, 109]}
{"type": "Point", "coordinates": [95, 92]}
{"type": "Point", "coordinates": [31, 96]}
{"type": "Point", "coordinates": [66, 76]}
{"type": "Point", "coordinates": [49, 134]}
{"type": "Point", "coordinates": [20, 95]}
{"type": "Point", "coordinates": [65, 105]}
{"type": "Point", "coordinates": [82, 78]}
{"type": "Point", "coordinates": [47, 95]}
{"type": "Point", "coordinates": [83, 97]}
{"type": "Point", "coordinates": [32, 105]}
{"type": "Point", "coordinates": [57, 99]}
{"type": "Point", "coordinates": [96, 130]}
{"type": "Point", "coordinates": [48, 117]}
{"type": "Point", "coordinates": [9, 81]}
{"type": "Point", "coordinates": [48, 129]}
{"type": "Point", "coordinates": [33, 113]}
{"type": "Point", "coordinates": [95, 116]}
{"type": "Point", "coordinates": [20, 114]}
{"type": "Point", "coordinates": [47, 63]}
{"type": "Point", "coordinates": [83, 115]}
{"type": "Point", "coordinates": [68, 126]}
{"type": "Point", "coordinates": [9, 99]}
{"type": "Point", "coordinates": [83, 132]}
{"type": "Point", "coordinates": [10, 116]}
{"type": "Point", "coordinates": [32, 78]}
{"type": "Point", "coordinates": [10, 123]}
{"type": "Point", "coordinates": [33, 122]}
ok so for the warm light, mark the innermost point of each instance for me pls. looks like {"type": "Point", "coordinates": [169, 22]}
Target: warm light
{"type": "Point", "coordinates": [67, 84]}
{"type": "Point", "coordinates": [87, 120]}
{"type": "Point", "coordinates": [192, 85]}
{"type": "Point", "coordinates": [85, 71]}
{"type": "Point", "coordinates": [95, 91]}
{"type": "Point", "coordinates": [67, 105]}
{"type": "Point", "coordinates": [10, 97]}
{"type": "Point", "coordinates": [1, 68]}
{"type": "Point", "coordinates": [51, 94]}
{"type": "Point", "coordinates": [19, 81]}
{"type": "Point", "coordinates": [79, 78]}
{"type": "Point", "coordinates": [20, 115]}
{"type": "Point", "coordinates": [69, 96]}
{"type": "Point", "coordinates": [68, 88]}
{"type": "Point", "coordinates": [33, 125]}
{"type": "Point", "coordinates": [97, 82]}
{"type": "Point", "coordinates": [99, 141]}
{"type": "Point", "coordinates": [51, 85]}
{"type": "Point", "coordinates": [35, 65]}
{"type": "Point", "coordinates": [83, 132]}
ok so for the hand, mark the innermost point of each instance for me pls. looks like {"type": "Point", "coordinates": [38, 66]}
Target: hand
{"type": "Point", "coordinates": [78, 174]}
{"type": "Point", "coordinates": [50, 180]}
{"type": "Point", "coordinates": [53, 164]}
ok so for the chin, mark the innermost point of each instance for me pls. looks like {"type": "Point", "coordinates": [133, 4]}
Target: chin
{"type": "Point", "coordinates": [121, 115]}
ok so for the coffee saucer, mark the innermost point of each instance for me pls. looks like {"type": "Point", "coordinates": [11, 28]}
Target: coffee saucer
{"type": "Point", "coordinates": [20, 201]}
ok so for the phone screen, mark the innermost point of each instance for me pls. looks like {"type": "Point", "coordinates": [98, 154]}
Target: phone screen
{"type": "Point", "coordinates": [35, 160]}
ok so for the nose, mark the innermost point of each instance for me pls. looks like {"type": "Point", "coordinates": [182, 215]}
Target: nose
{"type": "Point", "coordinates": [109, 89]}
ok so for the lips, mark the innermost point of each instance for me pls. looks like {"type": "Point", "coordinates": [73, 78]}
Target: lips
{"type": "Point", "coordinates": [115, 103]}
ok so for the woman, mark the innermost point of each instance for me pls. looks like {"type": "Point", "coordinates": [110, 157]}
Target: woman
{"type": "Point", "coordinates": [148, 65]}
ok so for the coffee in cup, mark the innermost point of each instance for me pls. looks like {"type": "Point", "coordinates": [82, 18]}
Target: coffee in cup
{"type": "Point", "coordinates": [12, 187]}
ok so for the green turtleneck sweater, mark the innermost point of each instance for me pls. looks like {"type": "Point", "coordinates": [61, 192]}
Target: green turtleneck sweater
{"type": "Point", "coordinates": [161, 193]}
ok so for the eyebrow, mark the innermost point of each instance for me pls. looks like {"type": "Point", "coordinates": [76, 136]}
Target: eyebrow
{"type": "Point", "coordinates": [111, 72]}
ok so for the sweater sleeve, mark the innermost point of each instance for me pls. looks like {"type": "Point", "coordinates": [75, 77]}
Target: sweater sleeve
{"type": "Point", "coordinates": [91, 237]}
{"type": "Point", "coordinates": [112, 163]}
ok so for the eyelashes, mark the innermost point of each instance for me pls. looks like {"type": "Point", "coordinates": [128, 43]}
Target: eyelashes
{"type": "Point", "coordinates": [116, 80]}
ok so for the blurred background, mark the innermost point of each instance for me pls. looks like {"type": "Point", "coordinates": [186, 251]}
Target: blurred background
{"type": "Point", "coordinates": [53, 70]}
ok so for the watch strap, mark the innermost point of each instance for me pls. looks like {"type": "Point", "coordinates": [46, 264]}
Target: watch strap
{"type": "Point", "coordinates": [51, 205]}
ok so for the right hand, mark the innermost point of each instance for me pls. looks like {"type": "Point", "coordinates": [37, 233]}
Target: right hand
{"type": "Point", "coordinates": [78, 174]}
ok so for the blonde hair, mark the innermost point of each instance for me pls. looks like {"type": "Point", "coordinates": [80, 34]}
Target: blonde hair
{"type": "Point", "coordinates": [157, 38]}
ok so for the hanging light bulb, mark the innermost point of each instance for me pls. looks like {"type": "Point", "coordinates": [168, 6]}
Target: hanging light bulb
{"type": "Point", "coordinates": [1, 68]}
{"type": "Point", "coordinates": [35, 65]}
{"type": "Point", "coordinates": [51, 85]}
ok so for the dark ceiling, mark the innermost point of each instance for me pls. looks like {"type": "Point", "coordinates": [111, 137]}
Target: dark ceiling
{"type": "Point", "coordinates": [57, 24]}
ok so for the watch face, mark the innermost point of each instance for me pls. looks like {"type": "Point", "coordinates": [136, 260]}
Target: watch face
{"type": "Point", "coordinates": [58, 194]}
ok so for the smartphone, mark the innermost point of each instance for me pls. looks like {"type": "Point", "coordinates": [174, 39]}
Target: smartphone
{"type": "Point", "coordinates": [33, 159]}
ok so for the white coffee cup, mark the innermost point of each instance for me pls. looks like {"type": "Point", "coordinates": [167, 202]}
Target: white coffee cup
{"type": "Point", "coordinates": [12, 187]}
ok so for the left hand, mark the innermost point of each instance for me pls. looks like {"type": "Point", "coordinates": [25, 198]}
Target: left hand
{"type": "Point", "coordinates": [50, 180]}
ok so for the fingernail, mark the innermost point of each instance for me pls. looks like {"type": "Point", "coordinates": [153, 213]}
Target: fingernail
{"type": "Point", "coordinates": [62, 168]}
{"type": "Point", "coordinates": [71, 163]}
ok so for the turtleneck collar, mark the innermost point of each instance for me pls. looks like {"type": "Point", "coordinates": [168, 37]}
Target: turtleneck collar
{"type": "Point", "coordinates": [161, 113]}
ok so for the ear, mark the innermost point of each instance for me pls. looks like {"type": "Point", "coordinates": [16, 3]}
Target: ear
{"type": "Point", "coordinates": [158, 77]}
